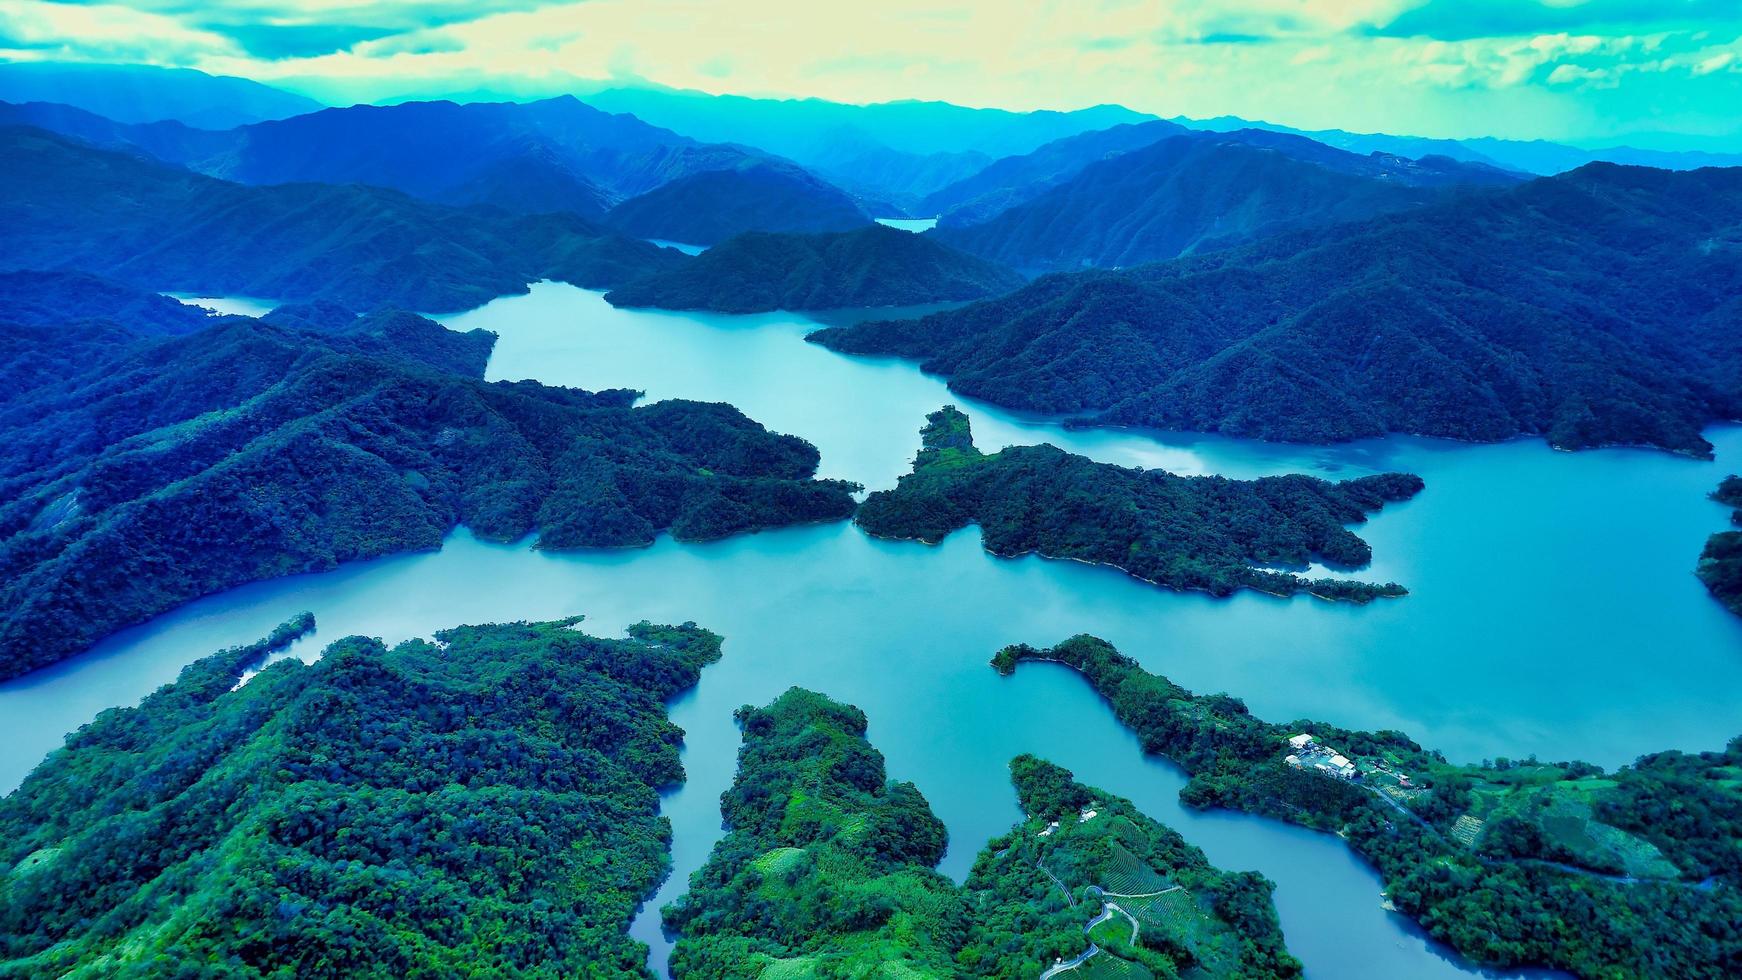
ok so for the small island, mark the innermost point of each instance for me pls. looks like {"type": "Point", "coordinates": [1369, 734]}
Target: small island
{"type": "Point", "coordinates": [483, 803]}
{"type": "Point", "coordinates": [1208, 533]}
{"type": "Point", "coordinates": [827, 869]}
{"type": "Point", "coordinates": [1720, 565]}
{"type": "Point", "coordinates": [1629, 873]}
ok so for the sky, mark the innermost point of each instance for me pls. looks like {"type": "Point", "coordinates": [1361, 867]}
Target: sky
{"type": "Point", "coordinates": [1588, 71]}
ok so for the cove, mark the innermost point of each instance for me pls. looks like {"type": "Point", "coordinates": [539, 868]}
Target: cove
{"type": "Point", "coordinates": [1553, 611]}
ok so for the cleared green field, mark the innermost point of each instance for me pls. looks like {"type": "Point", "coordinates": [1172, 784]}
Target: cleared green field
{"type": "Point", "coordinates": [1106, 966]}
{"type": "Point", "coordinates": [1129, 875]}
{"type": "Point", "coordinates": [778, 860]}
{"type": "Point", "coordinates": [1565, 814]}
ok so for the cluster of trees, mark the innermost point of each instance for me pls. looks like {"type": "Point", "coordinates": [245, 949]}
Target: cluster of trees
{"type": "Point", "coordinates": [1589, 308]}
{"type": "Point", "coordinates": [484, 803]}
{"type": "Point", "coordinates": [874, 266]}
{"type": "Point", "coordinates": [68, 205]}
{"type": "Point", "coordinates": [828, 868]}
{"type": "Point", "coordinates": [1518, 893]}
{"type": "Point", "coordinates": [1182, 532]}
{"type": "Point", "coordinates": [1721, 561]}
{"type": "Point", "coordinates": [137, 473]}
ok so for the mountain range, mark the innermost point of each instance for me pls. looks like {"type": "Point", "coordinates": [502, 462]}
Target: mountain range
{"type": "Point", "coordinates": [146, 93]}
{"type": "Point", "coordinates": [1542, 157]}
{"type": "Point", "coordinates": [1595, 308]}
{"type": "Point", "coordinates": [894, 151]}
{"type": "Point", "coordinates": [66, 205]}
{"type": "Point", "coordinates": [1199, 192]}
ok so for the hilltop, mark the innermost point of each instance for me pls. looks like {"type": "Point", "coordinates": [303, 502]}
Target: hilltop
{"type": "Point", "coordinates": [874, 266]}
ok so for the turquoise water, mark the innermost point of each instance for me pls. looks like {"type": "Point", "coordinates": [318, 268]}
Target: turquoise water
{"type": "Point", "coordinates": [239, 305]}
{"type": "Point", "coordinates": [910, 224]}
{"type": "Point", "coordinates": [1553, 612]}
{"type": "Point", "coordinates": [684, 247]}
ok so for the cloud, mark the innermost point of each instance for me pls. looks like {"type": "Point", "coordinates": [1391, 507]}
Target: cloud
{"type": "Point", "coordinates": [1548, 68]}
{"type": "Point", "coordinates": [36, 29]}
{"type": "Point", "coordinates": [1457, 20]}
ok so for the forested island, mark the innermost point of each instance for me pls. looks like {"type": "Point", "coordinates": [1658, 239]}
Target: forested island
{"type": "Point", "coordinates": [68, 205]}
{"type": "Point", "coordinates": [1202, 532]}
{"type": "Point", "coordinates": [485, 803]}
{"type": "Point", "coordinates": [827, 869]}
{"type": "Point", "coordinates": [874, 266]}
{"type": "Point", "coordinates": [1721, 562]}
{"type": "Point", "coordinates": [1629, 873]}
{"type": "Point", "coordinates": [1592, 309]}
{"type": "Point", "coordinates": [139, 472]}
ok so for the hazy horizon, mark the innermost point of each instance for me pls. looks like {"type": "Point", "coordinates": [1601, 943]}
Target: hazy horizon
{"type": "Point", "coordinates": [1589, 72]}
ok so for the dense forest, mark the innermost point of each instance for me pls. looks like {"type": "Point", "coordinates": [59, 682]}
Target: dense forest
{"type": "Point", "coordinates": [1200, 532]}
{"type": "Point", "coordinates": [712, 206]}
{"type": "Point", "coordinates": [1633, 873]}
{"type": "Point", "coordinates": [66, 205]}
{"type": "Point", "coordinates": [138, 473]}
{"type": "Point", "coordinates": [485, 803]}
{"type": "Point", "coordinates": [874, 266]}
{"type": "Point", "coordinates": [1592, 309]}
{"type": "Point", "coordinates": [827, 869]}
{"type": "Point", "coordinates": [827, 866]}
{"type": "Point", "coordinates": [1721, 562]}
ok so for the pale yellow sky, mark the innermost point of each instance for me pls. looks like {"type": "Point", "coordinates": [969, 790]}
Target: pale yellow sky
{"type": "Point", "coordinates": [1555, 68]}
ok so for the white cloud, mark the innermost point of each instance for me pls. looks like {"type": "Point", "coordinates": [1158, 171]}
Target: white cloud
{"type": "Point", "coordinates": [104, 31]}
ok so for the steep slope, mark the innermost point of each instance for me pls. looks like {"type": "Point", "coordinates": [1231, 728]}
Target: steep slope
{"type": "Point", "coordinates": [1595, 308]}
{"type": "Point", "coordinates": [1182, 532]}
{"type": "Point", "coordinates": [66, 205]}
{"type": "Point", "coordinates": [827, 870]}
{"type": "Point", "coordinates": [486, 803]}
{"type": "Point", "coordinates": [1184, 194]}
{"type": "Point", "coordinates": [875, 266]}
{"type": "Point", "coordinates": [145, 93]}
{"type": "Point", "coordinates": [715, 205]}
{"type": "Point", "coordinates": [1014, 180]}
{"type": "Point", "coordinates": [149, 471]}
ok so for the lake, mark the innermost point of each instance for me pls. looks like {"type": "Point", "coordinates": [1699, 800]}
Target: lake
{"type": "Point", "coordinates": [1553, 611]}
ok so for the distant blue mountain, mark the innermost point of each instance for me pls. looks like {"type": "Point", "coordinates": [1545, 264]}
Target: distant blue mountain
{"type": "Point", "coordinates": [529, 158]}
{"type": "Point", "coordinates": [144, 93]}
{"type": "Point", "coordinates": [1526, 156]}
{"type": "Point", "coordinates": [65, 205]}
{"type": "Point", "coordinates": [900, 151]}
{"type": "Point", "coordinates": [1199, 192]}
